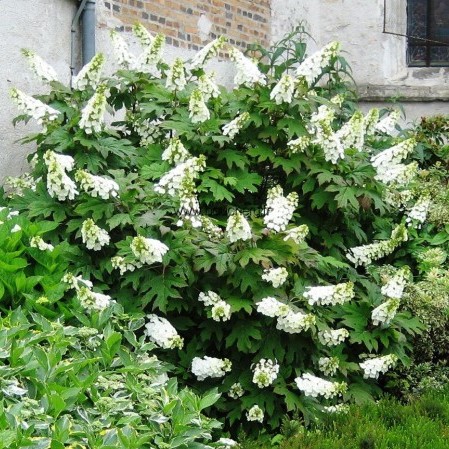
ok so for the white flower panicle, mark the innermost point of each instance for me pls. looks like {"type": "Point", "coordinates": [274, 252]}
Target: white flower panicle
{"type": "Point", "coordinates": [97, 186]}
{"type": "Point", "coordinates": [148, 251]}
{"type": "Point", "coordinates": [59, 185]}
{"type": "Point", "coordinates": [213, 231]}
{"type": "Point", "coordinates": [143, 35]}
{"type": "Point", "coordinates": [176, 152]}
{"type": "Point", "coordinates": [277, 276]}
{"type": "Point", "coordinates": [176, 78]}
{"type": "Point", "coordinates": [198, 111]}
{"type": "Point", "coordinates": [352, 133]}
{"type": "Point", "coordinates": [151, 55]}
{"type": "Point", "coordinates": [247, 72]}
{"type": "Point", "coordinates": [76, 282]}
{"type": "Point", "coordinates": [271, 307]}
{"type": "Point", "coordinates": [221, 311]}
{"type": "Point", "coordinates": [385, 313]}
{"type": "Point", "coordinates": [40, 68]}
{"type": "Point", "coordinates": [207, 86]}
{"type": "Point", "coordinates": [328, 365]}
{"type": "Point", "coordinates": [299, 145]}
{"type": "Point", "coordinates": [387, 124]}
{"type": "Point", "coordinates": [209, 298]}
{"type": "Point", "coordinates": [16, 228]}
{"type": "Point", "coordinates": [237, 228]}
{"type": "Point", "coordinates": [38, 242]}
{"type": "Point", "coordinates": [418, 213]}
{"type": "Point", "coordinates": [330, 294]}
{"type": "Point", "coordinates": [236, 391]}
{"type": "Point", "coordinates": [333, 337]}
{"type": "Point", "coordinates": [213, 367]}
{"type": "Point", "coordinates": [265, 372]}
{"type": "Point", "coordinates": [42, 113]}
{"type": "Point", "coordinates": [284, 90]}
{"type": "Point", "coordinates": [388, 162]}
{"type": "Point", "coordinates": [312, 67]}
{"type": "Point", "coordinates": [226, 443]}
{"type": "Point", "coordinates": [124, 58]}
{"type": "Point", "coordinates": [207, 52]}
{"type": "Point", "coordinates": [160, 331]}
{"type": "Point", "coordinates": [370, 121]}
{"type": "Point", "coordinates": [373, 367]}
{"type": "Point", "coordinates": [234, 126]}
{"type": "Point", "coordinates": [255, 413]}
{"type": "Point", "coordinates": [15, 186]}
{"type": "Point", "coordinates": [120, 263]}
{"type": "Point", "coordinates": [90, 74]}
{"type": "Point", "coordinates": [297, 234]}
{"type": "Point", "coordinates": [314, 386]}
{"type": "Point", "coordinates": [394, 288]}
{"type": "Point", "coordinates": [365, 254]}
{"type": "Point", "coordinates": [279, 209]}
{"type": "Point", "coordinates": [295, 322]}
{"type": "Point", "coordinates": [92, 115]}
{"type": "Point", "coordinates": [337, 409]}
{"type": "Point", "coordinates": [93, 236]}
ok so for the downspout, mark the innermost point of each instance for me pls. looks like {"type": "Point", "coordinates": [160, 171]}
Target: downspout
{"type": "Point", "coordinates": [87, 10]}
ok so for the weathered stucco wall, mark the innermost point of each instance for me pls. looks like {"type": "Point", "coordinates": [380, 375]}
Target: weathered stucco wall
{"type": "Point", "coordinates": [42, 26]}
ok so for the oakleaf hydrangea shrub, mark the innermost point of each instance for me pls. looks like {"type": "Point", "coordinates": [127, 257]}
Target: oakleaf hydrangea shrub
{"type": "Point", "coordinates": [239, 220]}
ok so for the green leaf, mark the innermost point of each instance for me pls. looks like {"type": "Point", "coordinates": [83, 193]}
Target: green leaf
{"type": "Point", "coordinates": [255, 255]}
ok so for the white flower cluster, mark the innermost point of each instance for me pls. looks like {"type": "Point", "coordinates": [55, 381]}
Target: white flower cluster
{"type": "Point", "coordinates": [38, 242]}
{"type": "Point", "coordinates": [236, 391]}
{"type": "Point", "coordinates": [16, 228]}
{"type": "Point", "coordinates": [40, 68]}
{"type": "Point", "coordinates": [284, 89]}
{"type": "Point", "coordinates": [124, 57]}
{"type": "Point", "coordinates": [97, 186]}
{"type": "Point", "coordinates": [314, 386]}
{"type": "Point", "coordinates": [144, 36]}
{"type": "Point", "coordinates": [160, 331]}
{"type": "Point", "coordinates": [210, 228]}
{"type": "Point", "coordinates": [89, 299]}
{"type": "Point", "coordinates": [151, 55]}
{"type": "Point", "coordinates": [385, 313]}
{"type": "Point", "coordinates": [148, 250]}
{"type": "Point", "coordinates": [207, 52]}
{"type": "Point", "coordinates": [297, 234]}
{"type": "Point", "coordinates": [176, 78]}
{"type": "Point", "coordinates": [176, 152]}
{"type": "Point", "coordinates": [370, 121]}
{"type": "Point", "coordinates": [120, 263]}
{"type": "Point", "coordinates": [92, 115]}
{"type": "Point", "coordinates": [295, 322]}
{"type": "Point", "coordinates": [279, 209]}
{"type": "Point", "coordinates": [255, 413]}
{"type": "Point", "coordinates": [394, 288]}
{"type": "Point", "coordinates": [419, 211]}
{"type": "Point", "coordinates": [90, 74]}
{"type": "Point", "coordinates": [337, 409]}
{"type": "Point", "coordinates": [247, 72]}
{"type": "Point", "coordinates": [237, 227]}
{"type": "Point", "coordinates": [328, 365]}
{"type": "Point", "coordinates": [198, 111]}
{"type": "Point", "coordinates": [388, 163]}
{"type": "Point", "coordinates": [271, 307]}
{"type": "Point", "coordinates": [277, 276]}
{"type": "Point", "coordinates": [148, 130]}
{"type": "Point", "coordinates": [42, 113]}
{"type": "Point", "coordinates": [226, 443]}
{"type": "Point", "coordinates": [373, 367]}
{"type": "Point", "coordinates": [312, 67]}
{"type": "Point", "coordinates": [221, 310]}
{"type": "Point", "coordinates": [59, 185]}
{"type": "Point", "coordinates": [210, 367]}
{"type": "Point", "coordinates": [299, 145]}
{"type": "Point", "coordinates": [15, 186]}
{"type": "Point", "coordinates": [265, 372]}
{"type": "Point", "coordinates": [333, 337]}
{"type": "Point", "coordinates": [330, 294]}
{"type": "Point", "coordinates": [365, 254]}
{"type": "Point", "coordinates": [234, 126]}
{"type": "Point", "coordinates": [207, 86]}
{"type": "Point", "coordinates": [93, 236]}
{"type": "Point", "coordinates": [352, 133]}
{"type": "Point", "coordinates": [388, 124]}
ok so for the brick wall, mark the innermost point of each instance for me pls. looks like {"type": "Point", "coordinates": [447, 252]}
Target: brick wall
{"type": "Point", "coordinates": [241, 21]}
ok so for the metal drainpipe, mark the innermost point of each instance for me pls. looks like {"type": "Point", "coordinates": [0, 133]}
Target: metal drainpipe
{"type": "Point", "coordinates": [87, 9]}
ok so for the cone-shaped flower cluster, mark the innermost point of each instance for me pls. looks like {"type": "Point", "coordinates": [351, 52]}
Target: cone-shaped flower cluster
{"type": "Point", "coordinates": [160, 331]}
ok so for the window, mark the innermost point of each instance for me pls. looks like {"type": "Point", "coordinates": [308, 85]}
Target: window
{"type": "Point", "coordinates": [428, 33]}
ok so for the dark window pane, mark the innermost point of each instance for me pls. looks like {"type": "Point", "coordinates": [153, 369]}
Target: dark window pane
{"type": "Point", "coordinates": [417, 56]}
{"type": "Point", "coordinates": [439, 55]}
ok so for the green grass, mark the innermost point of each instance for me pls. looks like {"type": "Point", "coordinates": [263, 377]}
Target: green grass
{"type": "Point", "coordinates": [421, 424]}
